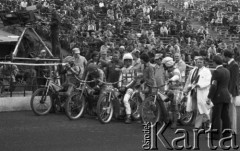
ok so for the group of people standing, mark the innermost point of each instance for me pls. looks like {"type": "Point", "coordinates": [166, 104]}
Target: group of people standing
{"type": "Point", "coordinates": [214, 94]}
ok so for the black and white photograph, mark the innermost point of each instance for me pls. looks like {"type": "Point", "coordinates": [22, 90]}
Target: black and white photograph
{"type": "Point", "coordinates": [119, 75]}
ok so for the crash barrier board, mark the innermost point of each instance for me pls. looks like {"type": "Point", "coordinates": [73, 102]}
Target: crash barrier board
{"type": "Point", "coordinates": [15, 103]}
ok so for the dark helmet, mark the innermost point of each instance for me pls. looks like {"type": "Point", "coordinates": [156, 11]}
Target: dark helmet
{"type": "Point", "coordinates": [92, 68]}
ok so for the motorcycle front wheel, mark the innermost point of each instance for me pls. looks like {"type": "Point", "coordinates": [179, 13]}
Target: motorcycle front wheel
{"type": "Point", "coordinates": [105, 109]}
{"type": "Point", "coordinates": [75, 106]}
{"type": "Point", "coordinates": [41, 102]}
{"type": "Point", "coordinates": [150, 111]}
{"type": "Point", "coordinates": [135, 104]}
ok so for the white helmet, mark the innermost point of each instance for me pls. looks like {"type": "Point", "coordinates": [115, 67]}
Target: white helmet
{"type": "Point", "coordinates": [168, 61]}
{"type": "Point", "coordinates": [127, 56]}
{"type": "Point", "coordinates": [169, 64]}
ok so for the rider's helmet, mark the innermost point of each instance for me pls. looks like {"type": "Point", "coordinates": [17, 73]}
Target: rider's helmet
{"type": "Point", "coordinates": [127, 59]}
{"type": "Point", "coordinates": [127, 56]}
{"type": "Point", "coordinates": [92, 69]}
{"type": "Point", "coordinates": [168, 62]}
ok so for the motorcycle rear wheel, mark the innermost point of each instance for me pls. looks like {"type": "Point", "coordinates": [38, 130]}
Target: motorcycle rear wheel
{"type": "Point", "coordinates": [104, 109]}
{"type": "Point", "coordinates": [186, 118]}
{"type": "Point", "coordinates": [150, 111]}
{"type": "Point", "coordinates": [75, 106]}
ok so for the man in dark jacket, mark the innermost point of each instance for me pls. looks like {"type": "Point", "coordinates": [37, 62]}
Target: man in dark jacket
{"type": "Point", "coordinates": [220, 97]}
{"type": "Point", "coordinates": [114, 67]}
{"type": "Point", "coordinates": [233, 87]}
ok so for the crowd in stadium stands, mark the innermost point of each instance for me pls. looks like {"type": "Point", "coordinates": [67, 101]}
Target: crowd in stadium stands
{"type": "Point", "coordinates": [132, 25]}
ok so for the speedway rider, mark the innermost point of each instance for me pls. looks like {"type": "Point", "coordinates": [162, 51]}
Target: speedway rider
{"type": "Point", "coordinates": [174, 80]}
{"type": "Point", "coordinates": [95, 75]}
{"type": "Point", "coordinates": [126, 81]}
{"type": "Point", "coordinates": [71, 71]}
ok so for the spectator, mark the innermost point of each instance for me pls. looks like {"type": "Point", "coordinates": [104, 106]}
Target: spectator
{"type": "Point", "coordinates": [104, 47]}
{"type": "Point", "coordinates": [80, 61]}
{"type": "Point", "coordinates": [23, 4]}
{"type": "Point", "coordinates": [41, 71]}
{"type": "Point", "coordinates": [159, 72]}
{"type": "Point", "coordinates": [212, 51]}
{"type": "Point", "coordinates": [163, 30]}
{"type": "Point", "coordinates": [181, 65]}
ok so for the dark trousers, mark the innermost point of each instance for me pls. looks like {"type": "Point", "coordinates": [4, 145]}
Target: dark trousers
{"type": "Point", "coordinates": [220, 119]}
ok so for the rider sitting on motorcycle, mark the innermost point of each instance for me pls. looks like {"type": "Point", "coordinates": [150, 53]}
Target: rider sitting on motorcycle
{"type": "Point", "coordinates": [127, 82]}
{"type": "Point", "coordinates": [71, 71]}
{"type": "Point", "coordinates": [174, 80]}
{"type": "Point", "coordinates": [95, 75]}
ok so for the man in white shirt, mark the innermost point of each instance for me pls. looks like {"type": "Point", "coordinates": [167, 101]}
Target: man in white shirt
{"type": "Point", "coordinates": [163, 30]}
{"type": "Point", "coordinates": [104, 47]}
{"type": "Point", "coordinates": [80, 61]}
{"type": "Point", "coordinates": [181, 65]}
{"type": "Point", "coordinates": [24, 4]}
{"type": "Point", "coordinates": [212, 51]}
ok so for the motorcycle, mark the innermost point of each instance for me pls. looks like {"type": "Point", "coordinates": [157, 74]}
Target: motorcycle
{"type": "Point", "coordinates": [48, 98]}
{"type": "Point", "coordinates": [157, 106]}
{"type": "Point", "coordinates": [82, 101]}
{"type": "Point", "coordinates": [110, 104]}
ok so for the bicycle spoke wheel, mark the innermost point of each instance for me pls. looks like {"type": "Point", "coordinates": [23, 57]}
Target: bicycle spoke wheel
{"type": "Point", "coordinates": [75, 106]}
{"type": "Point", "coordinates": [41, 103]}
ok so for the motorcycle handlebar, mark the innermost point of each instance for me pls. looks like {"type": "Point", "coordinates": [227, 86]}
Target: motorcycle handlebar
{"type": "Point", "coordinates": [84, 81]}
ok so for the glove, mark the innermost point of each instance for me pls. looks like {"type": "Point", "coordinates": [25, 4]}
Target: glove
{"type": "Point", "coordinates": [142, 81]}
{"type": "Point", "coordinates": [122, 89]}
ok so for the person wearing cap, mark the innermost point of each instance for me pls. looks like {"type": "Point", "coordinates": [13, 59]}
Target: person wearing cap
{"type": "Point", "coordinates": [197, 88]}
{"type": "Point", "coordinates": [121, 49]}
{"type": "Point", "coordinates": [80, 61]}
{"type": "Point", "coordinates": [71, 71]}
{"type": "Point", "coordinates": [159, 70]}
{"type": "Point", "coordinates": [173, 77]}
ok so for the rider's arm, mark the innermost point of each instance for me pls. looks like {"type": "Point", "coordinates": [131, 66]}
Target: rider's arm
{"type": "Point", "coordinates": [75, 70]}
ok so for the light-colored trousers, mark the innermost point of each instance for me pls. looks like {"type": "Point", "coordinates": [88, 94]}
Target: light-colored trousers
{"type": "Point", "coordinates": [233, 114]}
{"type": "Point", "coordinates": [126, 103]}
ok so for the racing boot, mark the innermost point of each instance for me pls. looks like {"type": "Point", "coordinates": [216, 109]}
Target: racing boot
{"type": "Point", "coordinates": [174, 120]}
{"type": "Point", "coordinates": [128, 119]}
